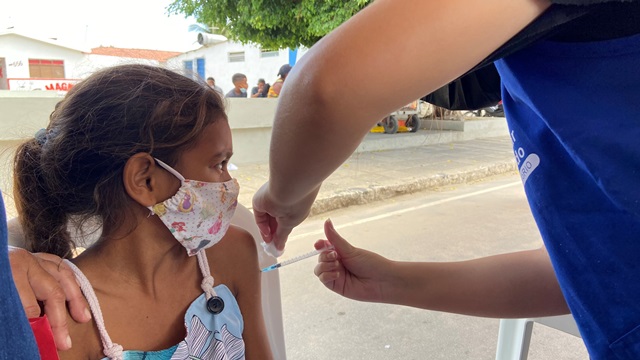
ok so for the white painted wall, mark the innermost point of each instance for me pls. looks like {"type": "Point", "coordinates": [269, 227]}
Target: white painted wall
{"type": "Point", "coordinates": [17, 50]}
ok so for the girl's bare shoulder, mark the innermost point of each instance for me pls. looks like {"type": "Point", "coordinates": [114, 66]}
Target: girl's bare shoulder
{"type": "Point", "coordinates": [234, 258]}
{"type": "Point", "coordinates": [237, 243]}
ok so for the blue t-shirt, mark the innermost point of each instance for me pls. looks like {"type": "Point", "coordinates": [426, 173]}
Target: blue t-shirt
{"type": "Point", "coordinates": [16, 336]}
{"type": "Point", "coordinates": [574, 116]}
{"type": "Point", "coordinates": [232, 94]}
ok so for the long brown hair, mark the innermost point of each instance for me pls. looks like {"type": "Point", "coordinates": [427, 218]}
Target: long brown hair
{"type": "Point", "coordinates": [73, 169]}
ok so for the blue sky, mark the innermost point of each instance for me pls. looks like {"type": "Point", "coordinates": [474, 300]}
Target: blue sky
{"type": "Point", "coordinates": [86, 24]}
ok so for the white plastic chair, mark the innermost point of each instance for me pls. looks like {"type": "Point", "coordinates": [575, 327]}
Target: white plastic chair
{"type": "Point", "coordinates": [271, 301]}
{"type": "Point", "coordinates": [514, 335]}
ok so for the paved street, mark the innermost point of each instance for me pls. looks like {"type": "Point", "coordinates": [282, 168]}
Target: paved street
{"type": "Point", "coordinates": [445, 224]}
{"type": "Point", "coordinates": [377, 175]}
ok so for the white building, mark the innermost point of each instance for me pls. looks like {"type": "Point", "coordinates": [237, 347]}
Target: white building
{"type": "Point", "coordinates": [32, 63]}
{"type": "Point", "coordinates": [220, 59]}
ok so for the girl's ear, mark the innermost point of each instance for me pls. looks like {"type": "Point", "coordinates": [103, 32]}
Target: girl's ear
{"type": "Point", "coordinates": [144, 181]}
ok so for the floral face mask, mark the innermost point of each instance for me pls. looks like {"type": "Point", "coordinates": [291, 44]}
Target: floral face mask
{"type": "Point", "coordinates": [200, 213]}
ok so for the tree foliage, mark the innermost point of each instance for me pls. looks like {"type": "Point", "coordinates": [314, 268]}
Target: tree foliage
{"type": "Point", "coordinates": [272, 24]}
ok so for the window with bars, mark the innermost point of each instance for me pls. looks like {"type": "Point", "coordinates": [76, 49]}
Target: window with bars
{"type": "Point", "coordinates": [237, 56]}
{"type": "Point", "coordinates": [265, 53]}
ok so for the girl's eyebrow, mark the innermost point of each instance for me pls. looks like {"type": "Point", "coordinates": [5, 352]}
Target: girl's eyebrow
{"type": "Point", "coordinates": [226, 154]}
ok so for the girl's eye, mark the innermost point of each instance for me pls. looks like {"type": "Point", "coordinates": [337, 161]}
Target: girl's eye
{"type": "Point", "coordinates": [221, 166]}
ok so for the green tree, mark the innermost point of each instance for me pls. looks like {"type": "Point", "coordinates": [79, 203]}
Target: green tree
{"type": "Point", "coordinates": [272, 24]}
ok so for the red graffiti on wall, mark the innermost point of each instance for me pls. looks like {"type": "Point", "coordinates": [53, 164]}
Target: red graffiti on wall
{"type": "Point", "coordinates": [26, 84]}
{"type": "Point", "coordinates": [59, 86]}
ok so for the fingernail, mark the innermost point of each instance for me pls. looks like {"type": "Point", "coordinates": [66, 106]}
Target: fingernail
{"type": "Point", "coordinates": [87, 314]}
{"type": "Point", "coordinates": [330, 223]}
{"type": "Point", "coordinates": [331, 255]}
{"type": "Point", "coordinates": [68, 341]}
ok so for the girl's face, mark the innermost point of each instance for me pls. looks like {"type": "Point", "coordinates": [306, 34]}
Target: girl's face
{"type": "Point", "coordinates": [208, 159]}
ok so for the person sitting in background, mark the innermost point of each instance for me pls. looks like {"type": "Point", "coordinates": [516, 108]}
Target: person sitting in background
{"type": "Point", "coordinates": [275, 89]}
{"type": "Point", "coordinates": [261, 90]}
{"type": "Point", "coordinates": [212, 82]}
{"type": "Point", "coordinates": [240, 86]}
{"type": "Point", "coordinates": [152, 170]}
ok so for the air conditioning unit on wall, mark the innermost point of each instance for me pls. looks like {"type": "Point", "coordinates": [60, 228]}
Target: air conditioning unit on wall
{"type": "Point", "coordinates": [210, 39]}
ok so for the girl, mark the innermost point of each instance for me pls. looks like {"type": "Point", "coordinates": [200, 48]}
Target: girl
{"type": "Point", "coordinates": [144, 151]}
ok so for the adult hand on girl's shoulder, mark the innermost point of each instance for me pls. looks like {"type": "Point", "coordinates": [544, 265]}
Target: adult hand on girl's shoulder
{"type": "Point", "coordinates": [46, 278]}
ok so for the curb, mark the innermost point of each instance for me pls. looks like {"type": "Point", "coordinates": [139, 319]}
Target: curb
{"type": "Point", "coordinates": [360, 196]}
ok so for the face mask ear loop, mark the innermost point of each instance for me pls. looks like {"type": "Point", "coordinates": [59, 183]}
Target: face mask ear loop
{"type": "Point", "coordinates": [170, 169]}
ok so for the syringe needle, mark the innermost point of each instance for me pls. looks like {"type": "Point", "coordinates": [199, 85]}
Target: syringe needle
{"type": "Point", "coordinates": [296, 259]}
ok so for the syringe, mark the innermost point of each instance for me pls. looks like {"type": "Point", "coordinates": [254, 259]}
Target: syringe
{"type": "Point", "coordinates": [296, 259]}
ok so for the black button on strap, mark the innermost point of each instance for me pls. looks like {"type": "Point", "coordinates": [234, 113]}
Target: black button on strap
{"type": "Point", "coordinates": [215, 305]}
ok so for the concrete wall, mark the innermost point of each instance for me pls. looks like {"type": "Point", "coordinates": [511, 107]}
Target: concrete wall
{"type": "Point", "coordinates": [251, 121]}
{"type": "Point", "coordinates": [24, 113]}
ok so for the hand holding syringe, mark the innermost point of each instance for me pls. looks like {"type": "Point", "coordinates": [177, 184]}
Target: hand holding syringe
{"type": "Point", "coordinates": [296, 259]}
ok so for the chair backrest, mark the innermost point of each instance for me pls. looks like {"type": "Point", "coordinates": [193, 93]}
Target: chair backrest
{"type": "Point", "coordinates": [514, 335]}
{"type": "Point", "coordinates": [271, 301]}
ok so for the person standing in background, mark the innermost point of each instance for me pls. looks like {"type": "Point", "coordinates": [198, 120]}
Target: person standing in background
{"type": "Point", "coordinates": [212, 82]}
{"type": "Point", "coordinates": [274, 91]}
